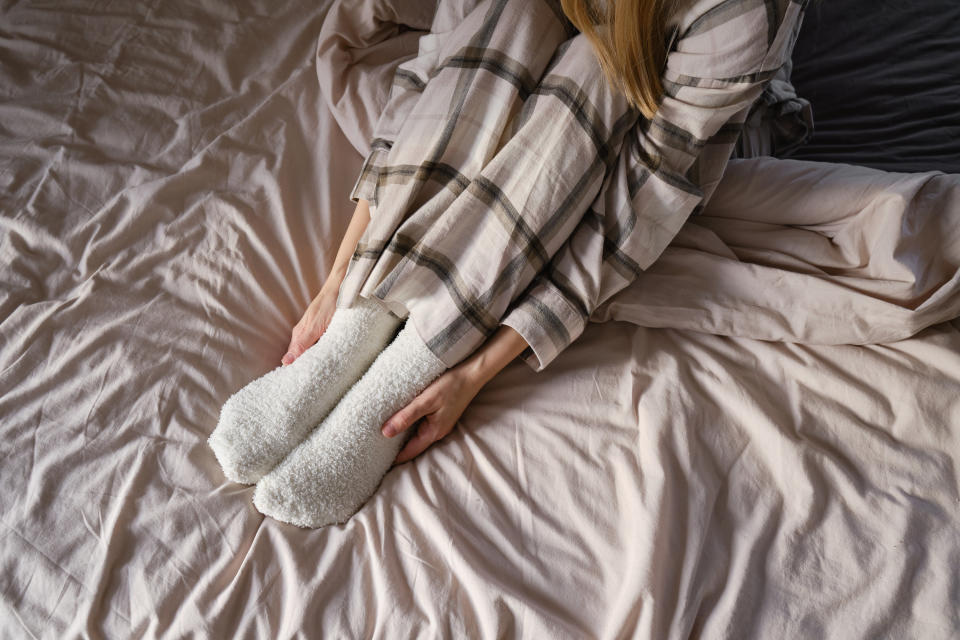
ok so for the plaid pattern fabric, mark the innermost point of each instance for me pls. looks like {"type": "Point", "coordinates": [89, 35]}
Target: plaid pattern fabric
{"type": "Point", "coordinates": [509, 184]}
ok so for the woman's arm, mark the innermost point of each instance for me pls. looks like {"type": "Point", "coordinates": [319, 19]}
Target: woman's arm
{"type": "Point", "coordinates": [316, 318]}
{"type": "Point", "coordinates": [443, 402]}
{"type": "Point", "coordinates": [493, 355]}
{"type": "Point", "coordinates": [358, 224]}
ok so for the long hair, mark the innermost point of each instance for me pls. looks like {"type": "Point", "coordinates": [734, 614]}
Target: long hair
{"type": "Point", "coordinates": [628, 38]}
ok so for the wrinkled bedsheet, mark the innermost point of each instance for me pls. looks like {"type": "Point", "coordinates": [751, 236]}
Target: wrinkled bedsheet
{"type": "Point", "coordinates": [757, 439]}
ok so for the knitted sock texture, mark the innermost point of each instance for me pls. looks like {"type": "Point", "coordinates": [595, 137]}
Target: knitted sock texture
{"type": "Point", "coordinates": [262, 422]}
{"type": "Point", "coordinates": [332, 473]}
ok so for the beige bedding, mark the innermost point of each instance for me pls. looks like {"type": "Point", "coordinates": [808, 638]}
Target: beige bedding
{"type": "Point", "coordinates": [763, 442]}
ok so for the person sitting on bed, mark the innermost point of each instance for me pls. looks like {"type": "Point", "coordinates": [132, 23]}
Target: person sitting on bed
{"type": "Point", "coordinates": [531, 160]}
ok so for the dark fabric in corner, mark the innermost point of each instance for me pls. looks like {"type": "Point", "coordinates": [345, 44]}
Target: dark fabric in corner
{"type": "Point", "coordinates": [883, 78]}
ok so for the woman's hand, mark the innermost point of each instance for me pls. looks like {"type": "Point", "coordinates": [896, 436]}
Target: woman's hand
{"type": "Point", "coordinates": [317, 317]}
{"type": "Point", "coordinates": [314, 322]}
{"type": "Point", "coordinates": [440, 405]}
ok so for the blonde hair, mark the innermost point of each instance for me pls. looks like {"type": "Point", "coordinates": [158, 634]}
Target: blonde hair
{"type": "Point", "coordinates": [633, 47]}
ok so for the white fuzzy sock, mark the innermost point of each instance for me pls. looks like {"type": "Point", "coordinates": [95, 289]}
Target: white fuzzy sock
{"type": "Point", "coordinates": [262, 422]}
{"type": "Point", "coordinates": [332, 473]}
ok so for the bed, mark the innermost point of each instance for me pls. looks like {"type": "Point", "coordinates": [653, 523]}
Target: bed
{"type": "Point", "coordinates": [760, 438]}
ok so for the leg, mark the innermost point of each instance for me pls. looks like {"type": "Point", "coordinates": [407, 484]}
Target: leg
{"type": "Point", "coordinates": [263, 421]}
{"type": "Point", "coordinates": [456, 252]}
{"type": "Point", "coordinates": [326, 478]}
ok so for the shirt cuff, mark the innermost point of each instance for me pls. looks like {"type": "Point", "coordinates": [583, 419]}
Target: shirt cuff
{"type": "Point", "coordinates": [366, 186]}
{"type": "Point", "coordinates": [546, 320]}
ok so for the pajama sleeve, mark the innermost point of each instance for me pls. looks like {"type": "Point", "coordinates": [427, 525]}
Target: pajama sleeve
{"type": "Point", "coordinates": [667, 168]}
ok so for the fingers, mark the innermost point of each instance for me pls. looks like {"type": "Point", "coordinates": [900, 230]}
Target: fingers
{"type": "Point", "coordinates": [401, 420]}
{"type": "Point", "coordinates": [302, 340]}
{"type": "Point", "coordinates": [425, 436]}
{"type": "Point", "coordinates": [312, 325]}
{"type": "Point", "coordinates": [294, 351]}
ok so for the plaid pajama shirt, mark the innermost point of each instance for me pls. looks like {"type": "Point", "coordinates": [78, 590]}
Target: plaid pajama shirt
{"type": "Point", "coordinates": [509, 184]}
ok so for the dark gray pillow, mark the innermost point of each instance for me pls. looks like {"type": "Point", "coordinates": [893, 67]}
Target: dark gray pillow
{"type": "Point", "coordinates": [883, 79]}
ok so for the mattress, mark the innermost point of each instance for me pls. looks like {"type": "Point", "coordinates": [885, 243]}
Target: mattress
{"type": "Point", "coordinates": [759, 439]}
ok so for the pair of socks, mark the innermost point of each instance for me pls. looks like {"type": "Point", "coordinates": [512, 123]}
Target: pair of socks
{"type": "Point", "coordinates": [308, 434]}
